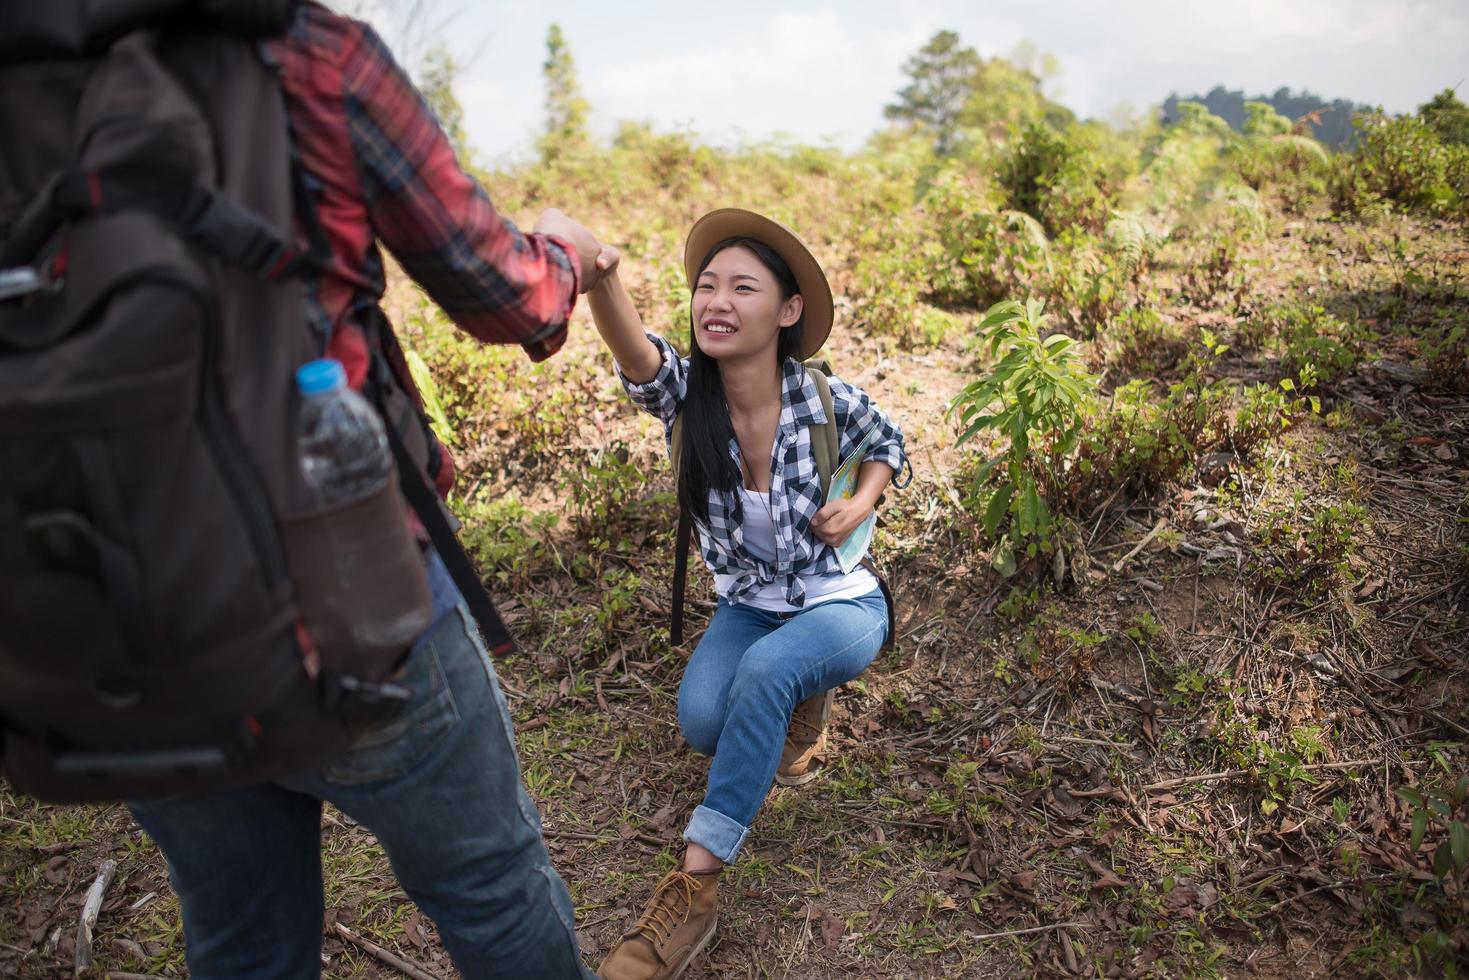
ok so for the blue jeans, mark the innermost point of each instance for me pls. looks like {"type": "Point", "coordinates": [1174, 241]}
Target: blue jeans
{"type": "Point", "coordinates": [746, 676]}
{"type": "Point", "coordinates": [440, 788]}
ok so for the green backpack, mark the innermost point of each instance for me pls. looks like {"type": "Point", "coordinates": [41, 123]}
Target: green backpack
{"type": "Point", "coordinates": [825, 446]}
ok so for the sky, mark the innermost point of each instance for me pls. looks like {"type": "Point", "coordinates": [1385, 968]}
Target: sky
{"type": "Point", "coordinates": [821, 72]}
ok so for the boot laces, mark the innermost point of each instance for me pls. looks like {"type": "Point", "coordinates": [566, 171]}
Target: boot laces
{"type": "Point", "coordinates": [663, 915]}
{"type": "Point", "coordinates": [806, 721]}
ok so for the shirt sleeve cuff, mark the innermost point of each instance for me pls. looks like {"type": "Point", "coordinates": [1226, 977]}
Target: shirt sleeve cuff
{"type": "Point", "coordinates": [663, 380]}
{"type": "Point", "coordinates": [892, 454]}
{"type": "Point", "coordinates": [572, 265]}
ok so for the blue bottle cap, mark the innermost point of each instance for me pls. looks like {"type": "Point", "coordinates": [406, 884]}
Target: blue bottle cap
{"type": "Point", "coordinates": [316, 377]}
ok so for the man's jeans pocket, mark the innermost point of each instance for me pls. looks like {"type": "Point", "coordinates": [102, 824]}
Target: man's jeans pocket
{"type": "Point", "coordinates": [397, 746]}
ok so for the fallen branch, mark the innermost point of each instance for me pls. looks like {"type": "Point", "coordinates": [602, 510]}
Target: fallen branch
{"type": "Point", "coordinates": [25, 953]}
{"type": "Point", "coordinates": [1237, 773]}
{"type": "Point", "coordinates": [91, 908]}
{"type": "Point", "coordinates": [1331, 886]}
{"type": "Point", "coordinates": [378, 953]}
{"type": "Point", "coordinates": [1117, 565]}
{"type": "Point", "coordinates": [647, 840]}
{"type": "Point", "coordinates": [977, 936]}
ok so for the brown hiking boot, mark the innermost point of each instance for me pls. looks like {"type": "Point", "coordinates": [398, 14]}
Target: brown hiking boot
{"type": "Point", "coordinates": [676, 926]}
{"type": "Point", "coordinates": [805, 740]}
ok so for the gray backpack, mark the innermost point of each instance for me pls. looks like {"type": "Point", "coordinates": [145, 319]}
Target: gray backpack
{"type": "Point", "coordinates": [176, 613]}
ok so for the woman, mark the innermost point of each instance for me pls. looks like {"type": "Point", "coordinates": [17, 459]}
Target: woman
{"type": "Point", "coordinates": [789, 625]}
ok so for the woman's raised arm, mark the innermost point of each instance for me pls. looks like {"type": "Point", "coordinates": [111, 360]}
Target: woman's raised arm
{"type": "Point", "coordinates": [619, 324]}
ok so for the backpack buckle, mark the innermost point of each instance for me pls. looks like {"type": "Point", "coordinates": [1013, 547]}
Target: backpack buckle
{"type": "Point", "coordinates": [240, 236]}
{"type": "Point", "coordinates": [361, 703]}
{"type": "Point", "coordinates": [20, 282]}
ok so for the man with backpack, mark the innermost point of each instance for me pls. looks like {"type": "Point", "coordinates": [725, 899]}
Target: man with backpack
{"type": "Point", "coordinates": [130, 668]}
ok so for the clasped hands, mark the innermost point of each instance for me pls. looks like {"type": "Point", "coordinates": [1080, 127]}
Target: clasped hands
{"type": "Point", "coordinates": [597, 260]}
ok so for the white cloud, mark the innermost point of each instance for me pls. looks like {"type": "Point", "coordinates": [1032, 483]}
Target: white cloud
{"type": "Point", "coordinates": [802, 72]}
{"type": "Point", "coordinates": [816, 68]}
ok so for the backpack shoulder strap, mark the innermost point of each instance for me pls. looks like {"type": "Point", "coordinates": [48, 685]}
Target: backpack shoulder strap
{"type": "Point", "coordinates": [827, 448]}
{"type": "Point", "coordinates": [826, 443]}
{"type": "Point", "coordinates": [682, 541]}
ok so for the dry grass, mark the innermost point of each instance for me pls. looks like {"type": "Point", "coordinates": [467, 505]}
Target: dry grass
{"type": "Point", "coordinates": [1184, 766]}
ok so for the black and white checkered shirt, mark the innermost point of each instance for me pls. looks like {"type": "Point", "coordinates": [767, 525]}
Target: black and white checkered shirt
{"type": "Point", "coordinates": [795, 487]}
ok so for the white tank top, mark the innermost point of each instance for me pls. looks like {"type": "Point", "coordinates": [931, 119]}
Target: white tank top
{"type": "Point", "coordinates": [759, 541]}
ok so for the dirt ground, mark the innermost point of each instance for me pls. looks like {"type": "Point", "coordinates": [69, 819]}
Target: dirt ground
{"type": "Point", "coordinates": [1176, 764]}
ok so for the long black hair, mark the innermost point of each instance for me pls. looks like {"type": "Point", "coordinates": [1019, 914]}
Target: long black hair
{"type": "Point", "coordinates": [705, 463]}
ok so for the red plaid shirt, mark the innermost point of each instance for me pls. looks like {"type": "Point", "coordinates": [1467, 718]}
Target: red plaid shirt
{"type": "Point", "coordinates": [382, 170]}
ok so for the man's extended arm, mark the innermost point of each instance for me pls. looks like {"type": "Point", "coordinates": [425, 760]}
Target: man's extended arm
{"type": "Point", "coordinates": [495, 282]}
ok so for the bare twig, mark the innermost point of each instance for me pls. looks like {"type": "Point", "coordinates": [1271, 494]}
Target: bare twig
{"type": "Point", "coordinates": [647, 840]}
{"type": "Point", "coordinates": [1162, 523]}
{"type": "Point", "coordinates": [91, 908]}
{"type": "Point", "coordinates": [33, 951]}
{"type": "Point", "coordinates": [1237, 773]}
{"type": "Point", "coordinates": [1331, 886]}
{"type": "Point", "coordinates": [976, 936]}
{"type": "Point", "coordinates": [382, 955]}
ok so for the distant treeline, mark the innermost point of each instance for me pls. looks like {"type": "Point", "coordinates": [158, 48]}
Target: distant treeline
{"type": "Point", "coordinates": [1332, 126]}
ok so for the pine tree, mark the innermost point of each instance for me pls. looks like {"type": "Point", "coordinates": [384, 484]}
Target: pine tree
{"type": "Point", "coordinates": [436, 82]}
{"type": "Point", "coordinates": [566, 109]}
{"type": "Point", "coordinates": [943, 74]}
{"type": "Point", "coordinates": [1450, 117]}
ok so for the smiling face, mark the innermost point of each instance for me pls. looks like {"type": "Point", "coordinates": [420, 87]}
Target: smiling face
{"type": "Point", "coordinates": [738, 307]}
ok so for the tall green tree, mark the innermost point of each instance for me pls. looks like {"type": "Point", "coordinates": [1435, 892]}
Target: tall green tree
{"type": "Point", "coordinates": [1006, 94]}
{"type": "Point", "coordinates": [436, 77]}
{"type": "Point", "coordinates": [566, 109]}
{"type": "Point", "coordinates": [942, 77]}
{"type": "Point", "coordinates": [1449, 116]}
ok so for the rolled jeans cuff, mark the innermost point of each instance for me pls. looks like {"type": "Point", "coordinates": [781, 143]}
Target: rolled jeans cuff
{"type": "Point", "coordinates": [716, 833]}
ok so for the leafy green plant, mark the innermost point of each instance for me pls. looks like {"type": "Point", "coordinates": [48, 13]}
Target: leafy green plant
{"type": "Point", "coordinates": [1037, 396]}
{"type": "Point", "coordinates": [1444, 812]}
{"type": "Point", "coordinates": [1266, 411]}
{"type": "Point", "coordinates": [1146, 440]}
{"type": "Point", "coordinates": [1282, 773]}
{"type": "Point", "coordinates": [1402, 160]}
{"type": "Point", "coordinates": [1087, 282]}
{"type": "Point", "coordinates": [1049, 176]}
{"type": "Point", "coordinates": [1311, 548]}
{"type": "Point", "coordinates": [978, 251]}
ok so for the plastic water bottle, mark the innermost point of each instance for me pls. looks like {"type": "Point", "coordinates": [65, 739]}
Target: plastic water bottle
{"type": "Point", "coordinates": [344, 449]}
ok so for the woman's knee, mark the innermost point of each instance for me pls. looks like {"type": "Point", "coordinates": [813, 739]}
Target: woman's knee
{"type": "Point", "coordinates": [700, 723]}
{"type": "Point", "coordinates": [767, 673]}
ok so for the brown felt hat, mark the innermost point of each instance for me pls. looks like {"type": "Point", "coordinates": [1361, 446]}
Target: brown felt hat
{"type": "Point", "coordinates": [716, 226]}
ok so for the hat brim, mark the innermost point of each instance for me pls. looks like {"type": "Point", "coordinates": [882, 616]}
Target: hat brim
{"type": "Point", "coordinates": [725, 223]}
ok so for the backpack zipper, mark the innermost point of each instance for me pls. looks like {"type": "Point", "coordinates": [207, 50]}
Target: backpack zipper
{"type": "Point", "coordinates": [227, 446]}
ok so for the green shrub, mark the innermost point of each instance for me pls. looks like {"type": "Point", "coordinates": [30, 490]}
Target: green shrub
{"type": "Point", "coordinates": [977, 252]}
{"type": "Point", "coordinates": [889, 270]}
{"type": "Point", "coordinates": [1143, 441]}
{"type": "Point", "coordinates": [1140, 341]}
{"type": "Point", "coordinates": [1057, 181]}
{"type": "Point", "coordinates": [1087, 281]}
{"type": "Point", "coordinates": [1309, 338]}
{"type": "Point", "coordinates": [1311, 546]}
{"type": "Point", "coordinates": [1264, 413]}
{"type": "Point", "coordinates": [1269, 154]}
{"type": "Point", "coordinates": [1404, 161]}
{"type": "Point", "coordinates": [1037, 397]}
